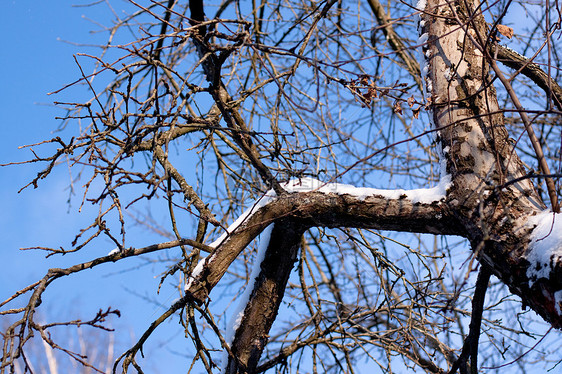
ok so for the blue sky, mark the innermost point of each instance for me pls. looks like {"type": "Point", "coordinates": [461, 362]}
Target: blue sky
{"type": "Point", "coordinates": [36, 61]}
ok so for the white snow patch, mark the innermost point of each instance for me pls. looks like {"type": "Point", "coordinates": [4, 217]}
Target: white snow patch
{"type": "Point", "coordinates": [429, 84]}
{"type": "Point", "coordinates": [263, 201]}
{"type": "Point", "coordinates": [557, 301]}
{"type": "Point", "coordinates": [424, 56]}
{"type": "Point", "coordinates": [422, 195]}
{"type": "Point", "coordinates": [545, 246]}
{"type": "Point", "coordinates": [514, 51]}
{"type": "Point", "coordinates": [444, 177]}
{"type": "Point", "coordinates": [238, 313]}
{"type": "Point", "coordinates": [113, 251]}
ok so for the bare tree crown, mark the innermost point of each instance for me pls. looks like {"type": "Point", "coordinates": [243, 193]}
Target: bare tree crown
{"type": "Point", "coordinates": [381, 154]}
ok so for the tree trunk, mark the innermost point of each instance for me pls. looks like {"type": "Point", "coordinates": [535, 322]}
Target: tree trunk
{"type": "Point", "coordinates": [490, 196]}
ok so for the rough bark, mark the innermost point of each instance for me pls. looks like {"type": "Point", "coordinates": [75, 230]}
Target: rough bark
{"type": "Point", "coordinates": [268, 290]}
{"type": "Point", "coordinates": [479, 155]}
{"type": "Point", "coordinates": [325, 210]}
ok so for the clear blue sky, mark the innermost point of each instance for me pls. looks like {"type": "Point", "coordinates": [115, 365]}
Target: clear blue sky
{"type": "Point", "coordinates": [36, 61]}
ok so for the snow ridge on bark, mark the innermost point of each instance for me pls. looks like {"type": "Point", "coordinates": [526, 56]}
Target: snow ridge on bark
{"type": "Point", "coordinates": [420, 195]}
{"type": "Point", "coordinates": [238, 313]}
{"type": "Point", "coordinates": [546, 245]}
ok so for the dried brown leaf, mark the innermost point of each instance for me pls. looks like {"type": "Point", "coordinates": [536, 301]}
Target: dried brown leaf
{"type": "Point", "coordinates": [411, 101]}
{"type": "Point", "coordinates": [505, 31]}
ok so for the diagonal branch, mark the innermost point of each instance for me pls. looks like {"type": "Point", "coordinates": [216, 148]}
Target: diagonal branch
{"type": "Point", "coordinates": [470, 347]}
{"type": "Point", "coordinates": [396, 42]}
{"type": "Point", "coordinates": [527, 67]}
{"type": "Point", "coordinates": [550, 185]}
{"type": "Point", "coordinates": [188, 191]}
{"type": "Point", "coordinates": [212, 65]}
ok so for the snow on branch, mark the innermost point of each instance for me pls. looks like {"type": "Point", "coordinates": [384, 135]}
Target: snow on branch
{"type": "Point", "coordinates": [421, 195]}
{"type": "Point", "coordinates": [295, 187]}
{"type": "Point", "coordinates": [238, 313]}
{"type": "Point", "coordinates": [545, 249]}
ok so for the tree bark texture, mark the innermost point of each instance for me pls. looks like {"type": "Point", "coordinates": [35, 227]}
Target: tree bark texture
{"type": "Point", "coordinates": [479, 155]}
{"type": "Point", "coordinates": [268, 290]}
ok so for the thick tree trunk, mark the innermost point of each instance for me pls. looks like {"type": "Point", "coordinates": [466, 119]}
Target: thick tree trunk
{"type": "Point", "coordinates": [490, 196]}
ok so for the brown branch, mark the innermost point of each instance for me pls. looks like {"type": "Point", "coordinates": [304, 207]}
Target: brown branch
{"type": "Point", "coordinates": [527, 67]}
{"type": "Point", "coordinates": [396, 43]}
{"type": "Point", "coordinates": [57, 272]}
{"type": "Point", "coordinates": [212, 65]}
{"type": "Point", "coordinates": [188, 191]}
{"type": "Point", "coordinates": [470, 347]}
{"type": "Point", "coordinates": [129, 356]}
{"type": "Point", "coordinates": [537, 147]}
{"type": "Point", "coordinates": [267, 293]}
{"type": "Point", "coordinates": [325, 210]}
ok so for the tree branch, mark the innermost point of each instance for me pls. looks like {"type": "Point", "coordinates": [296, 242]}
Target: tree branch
{"type": "Point", "coordinates": [325, 210]}
{"type": "Point", "coordinates": [470, 347]}
{"type": "Point", "coordinates": [267, 293]}
{"type": "Point", "coordinates": [527, 67]}
{"type": "Point", "coordinates": [396, 42]}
